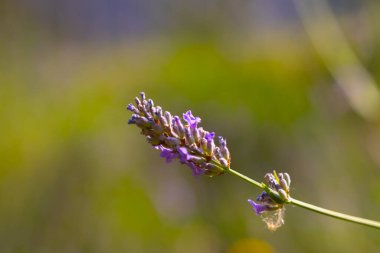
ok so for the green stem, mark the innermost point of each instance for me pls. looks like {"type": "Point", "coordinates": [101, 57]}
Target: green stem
{"type": "Point", "coordinates": [234, 172]}
{"type": "Point", "coordinates": [314, 208]}
{"type": "Point", "coordinates": [334, 214]}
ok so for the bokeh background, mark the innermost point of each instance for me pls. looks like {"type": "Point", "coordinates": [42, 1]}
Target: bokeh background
{"type": "Point", "coordinates": [292, 85]}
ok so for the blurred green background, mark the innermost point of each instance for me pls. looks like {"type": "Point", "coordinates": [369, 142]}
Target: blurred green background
{"type": "Point", "coordinates": [266, 75]}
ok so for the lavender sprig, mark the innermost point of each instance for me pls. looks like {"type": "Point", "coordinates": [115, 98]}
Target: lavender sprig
{"type": "Point", "coordinates": [195, 147]}
{"type": "Point", "coordinates": [190, 144]}
{"type": "Point", "coordinates": [273, 206]}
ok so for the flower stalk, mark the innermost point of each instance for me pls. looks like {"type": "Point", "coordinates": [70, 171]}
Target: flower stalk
{"type": "Point", "coordinates": [194, 147]}
{"type": "Point", "coordinates": [310, 207]}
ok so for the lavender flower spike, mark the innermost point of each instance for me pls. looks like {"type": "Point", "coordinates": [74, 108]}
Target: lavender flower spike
{"type": "Point", "coordinates": [189, 144]}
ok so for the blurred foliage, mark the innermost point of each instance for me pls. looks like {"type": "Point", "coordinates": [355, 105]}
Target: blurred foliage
{"type": "Point", "coordinates": [74, 177]}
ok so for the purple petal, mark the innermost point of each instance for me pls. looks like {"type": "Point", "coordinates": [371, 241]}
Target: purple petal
{"type": "Point", "coordinates": [196, 170]}
{"type": "Point", "coordinates": [168, 154]}
{"type": "Point", "coordinates": [258, 208]}
{"type": "Point", "coordinates": [222, 142]}
{"type": "Point", "coordinates": [210, 136]}
{"type": "Point", "coordinates": [191, 120]}
{"type": "Point", "coordinates": [183, 154]}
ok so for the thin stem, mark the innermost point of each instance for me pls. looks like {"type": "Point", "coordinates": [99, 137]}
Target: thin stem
{"type": "Point", "coordinates": [314, 208]}
{"type": "Point", "coordinates": [334, 214]}
{"type": "Point", "coordinates": [249, 180]}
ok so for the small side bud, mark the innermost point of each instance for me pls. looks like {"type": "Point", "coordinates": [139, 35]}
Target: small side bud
{"type": "Point", "coordinates": [223, 162]}
{"type": "Point", "coordinates": [283, 194]}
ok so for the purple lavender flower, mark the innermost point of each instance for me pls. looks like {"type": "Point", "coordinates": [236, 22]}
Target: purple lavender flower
{"type": "Point", "coordinates": [191, 120]}
{"type": "Point", "coordinates": [270, 203]}
{"type": "Point", "coordinates": [189, 143]}
{"type": "Point", "coordinates": [260, 208]}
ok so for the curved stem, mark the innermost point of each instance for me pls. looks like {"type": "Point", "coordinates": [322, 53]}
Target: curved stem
{"type": "Point", "coordinates": [317, 209]}
{"type": "Point", "coordinates": [334, 214]}
{"type": "Point", "coordinates": [249, 180]}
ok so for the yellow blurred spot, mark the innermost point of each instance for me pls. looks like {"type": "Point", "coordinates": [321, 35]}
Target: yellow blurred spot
{"type": "Point", "coordinates": [251, 246]}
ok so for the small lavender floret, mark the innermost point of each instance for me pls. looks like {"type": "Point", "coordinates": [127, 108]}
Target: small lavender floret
{"type": "Point", "coordinates": [260, 208]}
{"type": "Point", "coordinates": [191, 120]}
{"type": "Point", "coordinates": [188, 143]}
{"type": "Point", "coordinates": [277, 184]}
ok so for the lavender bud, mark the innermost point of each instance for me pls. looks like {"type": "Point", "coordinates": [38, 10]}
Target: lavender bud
{"type": "Point", "coordinates": [283, 194]}
{"type": "Point", "coordinates": [270, 180]}
{"type": "Point", "coordinates": [210, 146]}
{"type": "Point", "coordinates": [155, 140]}
{"type": "Point", "coordinates": [142, 122]}
{"type": "Point", "coordinates": [264, 197]}
{"type": "Point", "coordinates": [204, 145]}
{"type": "Point", "coordinates": [133, 109]}
{"type": "Point", "coordinates": [213, 170]}
{"type": "Point", "coordinates": [284, 184]}
{"type": "Point", "coordinates": [163, 121]}
{"type": "Point", "coordinates": [225, 153]}
{"type": "Point", "coordinates": [222, 142]}
{"type": "Point", "coordinates": [158, 128]}
{"type": "Point", "coordinates": [158, 113]}
{"type": "Point", "coordinates": [137, 101]}
{"type": "Point", "coordinates": [287, 178]}
{"type": "Point", "coordinates": [217, 153]}
{"type": "Point", "coordinates": [142, 94]}
{"type": "Point", "coordinates": [189, 136]}
{"type": "Point", "coordinates": [132, 120]}
{"type": "Point", "coordinates": [178, 128]}
{"type": "Point", "coordinates": [172, 142]}
{"type": "Point", "coordinates": [195, 134]}
{"type": "Point", "coordinates": [196, 159]}
{"type": "Point", "coordinates": [169, 118]}
{"type": "Point", "coordinates": [201, 133]}
{"type": "Point", "coordinates": [223, 162]}
{"type": "Point", "coordinates": [150, 104]}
